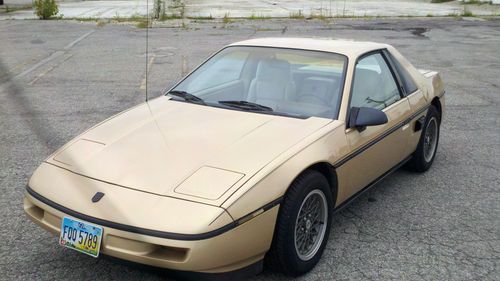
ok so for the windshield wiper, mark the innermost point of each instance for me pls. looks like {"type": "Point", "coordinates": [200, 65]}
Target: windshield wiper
{"type": "Point", "coordinates": [186, 96]}
{"type": "Point", "coordinates": [245, 105]}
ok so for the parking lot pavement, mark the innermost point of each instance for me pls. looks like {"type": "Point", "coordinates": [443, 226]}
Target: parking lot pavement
{"type": "Point", "coordinates": [441, 225]}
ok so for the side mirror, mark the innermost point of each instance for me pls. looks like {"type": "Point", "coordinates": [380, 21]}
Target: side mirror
{"type": "Point", "coordinates": [360, 117]}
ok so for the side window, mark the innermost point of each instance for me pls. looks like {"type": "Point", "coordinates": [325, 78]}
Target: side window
{"type": "Point", "coordinates": [373, 85]}
{"type": "Point", "coordinates": [223, 70]}
{"type": "Point", "coordinates": [406, 78]}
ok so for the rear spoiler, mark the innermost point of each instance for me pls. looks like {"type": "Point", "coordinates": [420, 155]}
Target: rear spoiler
{"type": "Point", "coordinates": [435, 83]}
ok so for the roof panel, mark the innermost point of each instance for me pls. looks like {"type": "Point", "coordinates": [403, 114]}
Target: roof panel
{"type": "Point", "coordinates": [349, 48]}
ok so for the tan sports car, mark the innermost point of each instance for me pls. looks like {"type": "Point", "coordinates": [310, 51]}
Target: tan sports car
{"type": "Point", "coordinates": [245, 161]}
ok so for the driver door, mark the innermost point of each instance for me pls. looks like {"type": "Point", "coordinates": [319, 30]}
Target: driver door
{"type": "Point", "coordinates": [376, 149]}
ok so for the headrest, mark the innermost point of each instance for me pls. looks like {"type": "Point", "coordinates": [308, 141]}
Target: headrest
{"type": "Point", "coordinates": [367, 84]}
{"type": "Point", "coordinates": [368, 76]}
{"type": "Point", "coordinates": [322, 88]}
{"type": "Point", "coordinates": [273, 70]}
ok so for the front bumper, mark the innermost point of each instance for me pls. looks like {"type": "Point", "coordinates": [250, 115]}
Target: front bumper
{"type": "Point", "coordinates": [232, 250]}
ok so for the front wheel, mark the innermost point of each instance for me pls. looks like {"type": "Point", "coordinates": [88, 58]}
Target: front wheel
{"type": "Point", "coordinates": [427, 146]}
{"type": "Point", "coordinates": [303, 225]}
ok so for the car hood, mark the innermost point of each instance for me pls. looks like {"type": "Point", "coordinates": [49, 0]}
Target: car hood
{"type": "Point", "coordinates": [182, 150]}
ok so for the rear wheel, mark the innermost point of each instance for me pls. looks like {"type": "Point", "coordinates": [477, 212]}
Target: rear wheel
{"type": "Point", "coordinates": [303, 225]}
{"type": "Point", "coordinates": [426, 149]}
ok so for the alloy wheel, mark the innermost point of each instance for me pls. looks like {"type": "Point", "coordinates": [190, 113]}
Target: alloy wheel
{"type": "Point", "coordinates": [310, 225]}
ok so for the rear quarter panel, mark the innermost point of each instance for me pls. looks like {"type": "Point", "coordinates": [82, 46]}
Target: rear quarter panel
{"type": "Point", "coordinates": [430, 86]}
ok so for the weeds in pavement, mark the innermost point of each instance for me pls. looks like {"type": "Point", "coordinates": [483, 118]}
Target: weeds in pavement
{"type": "Point", "coordinates": [226, 19]}
{"type": "Point", "coordinates": [165, 17]}
{"type": "Point", "coordinates": [101, 23]}
{"type": "Point", "coordinates": [297, 15]}
{"type": "Point", "coordinates": [142, 24]}
{"type": "Point", "coordinates": [86, 19]}
{"type": "Point", "coordinates": [467, 13]}
{"type": "Point", "coordinates": [45, 9]}
{"type": "Point", "coordinates": [321, 15]}
{"type": "Point", "coordinates": [258, 17]}
{"type": "Point", "coordinates": [465, 2]}
{"type": "Point", "coordinates": [476, 2]}
{"type": "Point", "coordinates": [136, 18]}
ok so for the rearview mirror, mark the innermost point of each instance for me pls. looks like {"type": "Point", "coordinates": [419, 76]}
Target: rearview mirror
{"type": "Point", "coordinates": [360, 117]}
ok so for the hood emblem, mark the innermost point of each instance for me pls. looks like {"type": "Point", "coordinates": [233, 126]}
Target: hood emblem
{"type": "Point", "coordinates": [97, 197]}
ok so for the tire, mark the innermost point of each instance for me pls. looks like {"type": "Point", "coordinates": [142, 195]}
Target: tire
{"type": "Point", "coordinates": [427, 146]}
{"type": "Point", "coordinates": [303, 194]}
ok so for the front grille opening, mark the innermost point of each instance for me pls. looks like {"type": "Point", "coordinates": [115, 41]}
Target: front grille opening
{"type": "Point", "coordinates": [33, 210]}
{"type": "Point", "coordinates": [145, 249]}
{"type": "Point", "coordinates": [170, 253]}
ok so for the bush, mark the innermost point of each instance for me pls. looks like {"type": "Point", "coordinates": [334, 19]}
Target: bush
{"type": "Point", "coordinates": [45, 9]}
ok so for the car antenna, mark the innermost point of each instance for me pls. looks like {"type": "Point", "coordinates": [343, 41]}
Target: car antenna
{"type": "Point", "coordinates": [147, 48]}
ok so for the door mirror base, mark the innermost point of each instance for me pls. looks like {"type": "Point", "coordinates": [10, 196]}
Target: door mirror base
{"type": "Point", "coordinates": [361, 117]}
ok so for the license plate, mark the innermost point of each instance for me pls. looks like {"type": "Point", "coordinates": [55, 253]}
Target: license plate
{"type": "Point", "coordinates": [81, 236]}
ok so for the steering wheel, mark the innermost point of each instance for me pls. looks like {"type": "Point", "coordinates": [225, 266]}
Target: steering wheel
{"type": "Point", "coordinates": [322, 101]}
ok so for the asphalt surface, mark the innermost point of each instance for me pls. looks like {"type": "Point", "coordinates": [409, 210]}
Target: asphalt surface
{"type": "Point", "coordinates": [441, 225]}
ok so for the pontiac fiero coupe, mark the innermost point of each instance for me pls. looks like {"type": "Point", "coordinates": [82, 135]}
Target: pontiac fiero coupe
{"type": "Point", "coordinates": [243, 162]}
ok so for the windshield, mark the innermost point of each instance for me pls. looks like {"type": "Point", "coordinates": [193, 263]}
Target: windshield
{"type": "Point", "coordinates": [289, 82]}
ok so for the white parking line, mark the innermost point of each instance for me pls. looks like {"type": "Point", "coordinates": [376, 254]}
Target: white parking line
{"type": "Point", "coordinates": [144, 80]}
{"type": "Point", "coordinates": [70, 45]}
{"type": "Point", "coordinates": [49, 69]}
{"type": "Point", "coordinates": [53, 55]}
